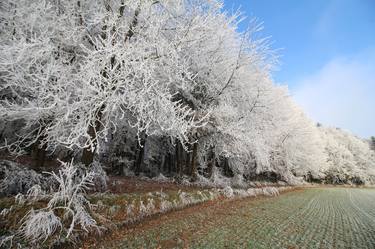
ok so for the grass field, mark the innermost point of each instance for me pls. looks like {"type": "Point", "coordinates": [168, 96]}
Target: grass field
{"type": "Point", "coordinates": [309, 218]}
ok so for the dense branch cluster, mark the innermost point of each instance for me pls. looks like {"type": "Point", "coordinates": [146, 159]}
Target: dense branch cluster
{"type": "Point", "coordinates": [156, 87]}
{"type": "Point", "coordinates": [349, 158]}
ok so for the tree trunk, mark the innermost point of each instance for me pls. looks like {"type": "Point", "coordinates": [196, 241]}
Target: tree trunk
{"type": "Point", "coordinates": [226, 171]}
{"type": "Point", "coordinates": [186, 166]}
{"type": "Point", "coordinates": [38, 152]}
{"type": "Point", "coordinates": [161, 166]}
{"type": "Point", "coordinates": [193, 171]}
{"type": "Point", "coordinates": [38, 155]}
{"type": "Point", "coordinates": [211, 159]}
{"type": "Point", "coordinates": [89, 153]}
{"type": "Point", "coordinates": [178, 159]}
{"type": "Point", "coordinates": [140, 155]}
{"type": "Point", "coordinates": [166, 163]}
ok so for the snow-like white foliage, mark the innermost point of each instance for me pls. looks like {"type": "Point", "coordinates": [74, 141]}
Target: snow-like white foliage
{"type": "Point", "coordinates": [70, 197]}
{"type": "Point", "coordinates": [281, 139]}
{"type": "Point", "coordinates": [76, 72]}
{"type": "Point", "coordinates": [6, 211]}
{"type": "Point", "coordinates": [165, 206]}
{"type": "Point", "coordinates": [146, 210]}
{"type": "Point", "coordinates": [7, 241]}
{"type": "Point", "coordinates": [20, 199]}
{"type": "Point", "coordinates": [35, 193]}
{"type": "Point", "coordinates": [251, 192]}
{"type": "Point", "coordinates": [185, 198]}
{"type": "Point", "coordinates": [350, 159]}
{"type": "Point", "coordinates": [100, 176]}
{"type": "Point", "coordinates": [139, 210]}
{"type": "Point", "coordinates": [16, 179]}
{"type": "Point", "coordinates": [88, 66]}
{"type": "Point", "coordinates": [130, 209]}
{"type": "Point", "coordinates": [67, 208]}
{"type": "Point", "coordinates": [228, 192]}
{"type": "Point", "coordinates": [270, 191]}
{"type": "Point", "coordinates": [219, 180]}
{"type": "Point", "coordinates": [39, 225]}
{"type": "Point", "coordinates": [161, 178]}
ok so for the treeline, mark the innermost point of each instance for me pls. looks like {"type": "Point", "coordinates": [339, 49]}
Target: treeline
{"type": "Point", "coordinates": [154, 87]}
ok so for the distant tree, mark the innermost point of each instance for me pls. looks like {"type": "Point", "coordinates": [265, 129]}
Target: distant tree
{"type": "Point", "coordinates": [372, 142]}
{"type": "Point", "coordinates": [349, 157]}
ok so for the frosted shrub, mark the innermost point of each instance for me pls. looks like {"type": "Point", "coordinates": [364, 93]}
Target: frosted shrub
{"type": "Point", "coordinates": [15, 179]}
{"type": "Point", "coordinates": [6, 211]}
{"type": "Point", "coordinates": [20, 199]}
{"type": "Point", "coordinates": [150, 205]}
{"type": "Point", "coordinates": [228, 192]}
{"type": "Point", "coordinates": [251, 192]}
{"type": "Point", "coordinates": [270, 191]}
{"type": "Point", "coordinates": [146, 210]}
{"type": "Point", "coordinates": [40, 225]}
{"type": "Point", "coordinates": [238, 181]}
{"type": "Point", "coordinates": [100, 179]}
{"type": "Point", "coordinates": [143, 209]}
{"type": "Point", "coordinates": [203, 181]}
{"type": "Point", "coordinates": [186, 199]}
{"type": "Point", "coordinates": [212, 195]}
{"type": "Point", "coordinates": [241, 193]}
{"type": "Point", "coordinates": [138, 210]}
{"type": "Point", "coordinates": [67, 208]}
{"type": "Point", "coordinates": [258, 191]}
{"type": "Point", "coordinates": [161, 178]}
{"type": "Point", "coordinates": [165, 206]}
{"type": "Point", "coordinates": [161, 194]}
{"type": "Point", "coordinates": [35, 193]}
{"type": "Point", "coordinates": [129, 209]}
{"type": "Point", "coordinates": [203, 197]}
{"type": "Point", "coordinates": [6, 242]}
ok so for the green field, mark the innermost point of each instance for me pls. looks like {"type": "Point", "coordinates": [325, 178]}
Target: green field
{"type": "Point", "coordinates": [309, 218]}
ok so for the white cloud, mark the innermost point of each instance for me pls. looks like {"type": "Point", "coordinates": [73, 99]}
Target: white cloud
{"type": "Point", "coordinates": [342, 93]}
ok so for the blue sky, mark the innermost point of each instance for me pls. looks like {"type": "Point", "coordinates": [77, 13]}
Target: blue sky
{"type": "Point", "coordinates": [327, 56]}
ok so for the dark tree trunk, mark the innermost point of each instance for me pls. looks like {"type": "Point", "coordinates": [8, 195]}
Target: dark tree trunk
{"type": "Point", "coordinates": [186, 166]}
{"type": "Point", "coordinates": [170, 163]}
{"type": "Point", "coordinates": [166, 162]}
{"type": "Point", "coordinates": [193, 169]}
{"type": "Point", "coordinates": [227, 170]}
{"type": "Point", "coordinates": [161, 166]}
{"type": "Point", "coordinates": [38, 155]}
{"type": "Point", "coordinates": [178, 159]}
{"type": "Point", "coordinates": [38, 151]}
{"type": "Point", "coordinates": [140, 155]}
{"type": "Point", "coordinates": [211, 161]}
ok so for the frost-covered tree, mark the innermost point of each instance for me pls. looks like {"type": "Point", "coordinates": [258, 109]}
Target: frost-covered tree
{"type": "Point", "coordinates": [77, 68]}
{"type": "Point", "coordinates": [157, 86]}
{"type": "Point", "coordinates": [372, 143]}
{"type": "Point", "coordinates": [83, 67]}
{"type": "Point", "coordinates": [349, 157]}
